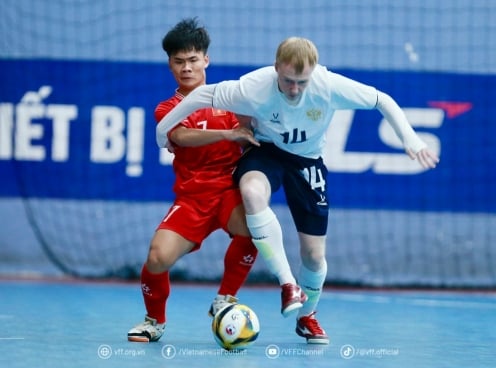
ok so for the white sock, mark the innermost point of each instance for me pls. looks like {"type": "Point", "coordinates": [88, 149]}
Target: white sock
{"type": "Point", "coordinates": [266, 234]}
{"type": "Point", "coordinates": [311, 282]}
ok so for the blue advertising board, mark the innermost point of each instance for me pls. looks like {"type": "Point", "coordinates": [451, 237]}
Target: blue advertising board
{"type": "Point", "coordinates": [85, 130]}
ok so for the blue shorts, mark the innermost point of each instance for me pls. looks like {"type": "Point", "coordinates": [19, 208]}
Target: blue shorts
{"type": "Point", "coordinates": [304, 181]}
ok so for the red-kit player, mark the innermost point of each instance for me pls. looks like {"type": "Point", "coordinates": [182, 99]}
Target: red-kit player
{"type": "Point", "coordinates": [206, 147]}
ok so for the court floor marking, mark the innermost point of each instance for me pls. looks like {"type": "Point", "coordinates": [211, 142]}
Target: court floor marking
{"type": "Point", "coordinates": [412, 300]}
{"type": "Point", "coordinates": [453, 304]}
{"type": "Point", "coordinates": [7, 338]}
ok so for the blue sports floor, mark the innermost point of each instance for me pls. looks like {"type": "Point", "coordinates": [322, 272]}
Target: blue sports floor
{"type": "Point", "coordinates": [84, 324]}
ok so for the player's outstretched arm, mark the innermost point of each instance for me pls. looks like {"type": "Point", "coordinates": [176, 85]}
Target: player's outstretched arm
{"type": "Point", "coordinates": [414, 146]}
{"type": "Point", "coordinates": [199, 98]}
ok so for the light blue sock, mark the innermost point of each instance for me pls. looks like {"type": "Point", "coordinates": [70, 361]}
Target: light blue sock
{"type": "Point", "coordinates": [311, 282]}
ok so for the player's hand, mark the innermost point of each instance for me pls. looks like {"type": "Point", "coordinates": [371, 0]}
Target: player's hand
{"type": "Point", "coordinates": [425, 157]}
{"type": "Point", "coordinates": [169, 146]}
{"type": "Point", "coordinates": [242, 134]}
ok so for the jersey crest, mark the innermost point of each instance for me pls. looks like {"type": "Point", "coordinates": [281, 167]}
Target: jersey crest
{"type": "Point", "coordinates": [314, 114]}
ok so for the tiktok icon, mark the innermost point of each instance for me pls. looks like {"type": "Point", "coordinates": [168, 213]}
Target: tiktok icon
{"type": "Point", "coordinates": [347, 351]}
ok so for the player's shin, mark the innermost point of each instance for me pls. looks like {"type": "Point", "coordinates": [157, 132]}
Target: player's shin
{"type": "Point", "coordinates": [267, 236]}
{"type": "Point", "coordinates": [155, 289]}
{"type": "Point", "coordinates": [238, 261]}
{"type": "Point", "coordinates": [311, 282]}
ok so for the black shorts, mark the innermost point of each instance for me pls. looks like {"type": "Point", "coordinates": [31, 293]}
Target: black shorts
{"type": "Point", "coordinates": [304, 181]}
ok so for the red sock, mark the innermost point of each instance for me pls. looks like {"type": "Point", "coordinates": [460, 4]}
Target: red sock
{"type": "Point", "coordinates": [238, 261]}
{"type": "Point", "coordinates": [155, 289]}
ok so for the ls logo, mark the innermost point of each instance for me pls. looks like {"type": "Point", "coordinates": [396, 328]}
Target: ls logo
{"type": "Point", "coordinates": [338, 159]}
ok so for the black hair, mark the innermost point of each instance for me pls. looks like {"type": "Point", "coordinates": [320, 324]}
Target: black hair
{"type": "Point", "coordinates": [186, 35]}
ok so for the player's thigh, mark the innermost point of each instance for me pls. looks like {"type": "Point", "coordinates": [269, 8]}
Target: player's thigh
{"type": "Point", "coordinates": [166, 248]}
{"type": "Point", "coordinates": [305, 186]}
{"type": "Point", "coordinates": [236, 225]}
{"type": "Point", "coordinates": [192, 218]}
{"type": "Point", "coordinates": [259, 166]}
{"type": "Point", "coordinates": [231, 213]}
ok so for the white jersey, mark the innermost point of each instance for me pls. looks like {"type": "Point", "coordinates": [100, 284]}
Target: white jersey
{"type": "Point", "coordinates": [300, 128]}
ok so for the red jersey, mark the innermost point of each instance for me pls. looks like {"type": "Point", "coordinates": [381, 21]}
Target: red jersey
{"type": "Point", "coordinates": [208, 168]}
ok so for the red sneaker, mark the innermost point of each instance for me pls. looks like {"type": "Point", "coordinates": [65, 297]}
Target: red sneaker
{"type": "Point", "coordinates": [292, 298]}
{"type": "Point", "coordinates": [309, 328]}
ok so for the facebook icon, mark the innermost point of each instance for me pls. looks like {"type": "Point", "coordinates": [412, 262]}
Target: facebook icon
{"type": "Point", "coordinates": [168, 351]}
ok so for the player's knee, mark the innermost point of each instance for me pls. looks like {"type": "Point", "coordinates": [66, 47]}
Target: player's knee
{"type": "Point", "coordinates": [158, 261]}
{"type": "Point", "coordinates": [313, 259]}
{"type": "Point", "coordinates": [255, 193]}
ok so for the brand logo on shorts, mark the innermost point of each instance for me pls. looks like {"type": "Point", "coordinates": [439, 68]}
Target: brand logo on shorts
{"type": "Point", "coordinates": [323, 201]}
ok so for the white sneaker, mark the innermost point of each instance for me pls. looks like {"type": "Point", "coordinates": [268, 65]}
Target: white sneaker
{"type": "Point", "coordinates": [147, 331]}
{"type": "Point", "coordinates": [220, 302]}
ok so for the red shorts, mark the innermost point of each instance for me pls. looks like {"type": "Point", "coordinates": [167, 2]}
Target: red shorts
{"type": "Point", "coordinates": [195, 219]}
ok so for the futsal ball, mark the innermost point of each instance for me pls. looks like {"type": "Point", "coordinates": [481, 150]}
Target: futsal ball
{"type": "Point", "coordinates": [235, 327]}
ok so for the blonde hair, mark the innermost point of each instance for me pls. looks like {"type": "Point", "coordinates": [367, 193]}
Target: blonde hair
{"type": "Point", "coordinates": [298, 52]}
